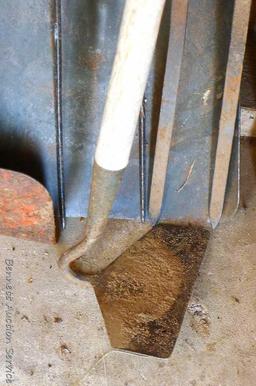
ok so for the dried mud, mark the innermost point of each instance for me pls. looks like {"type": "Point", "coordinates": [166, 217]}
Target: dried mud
{"type": "Point", "coordinates": [144, 293]}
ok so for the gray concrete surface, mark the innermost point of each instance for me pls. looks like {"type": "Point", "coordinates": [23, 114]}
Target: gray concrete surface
{"type": "Point", "coordinates": [58, 336]}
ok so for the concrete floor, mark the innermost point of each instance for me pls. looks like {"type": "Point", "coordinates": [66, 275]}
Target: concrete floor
{"type": "Point", "coordinates": [59, 337]}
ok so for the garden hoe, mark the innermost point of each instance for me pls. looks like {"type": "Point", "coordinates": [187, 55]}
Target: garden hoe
{"type": "Point", "coordinates": [143, 272]}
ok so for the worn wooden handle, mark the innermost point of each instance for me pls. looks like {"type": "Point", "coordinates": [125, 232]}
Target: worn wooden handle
{"type": "Point", "coordinates": [138, 34]}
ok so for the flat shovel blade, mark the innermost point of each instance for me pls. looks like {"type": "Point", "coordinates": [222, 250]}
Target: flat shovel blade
{"type": "Point", "coordinates": [143, 294]}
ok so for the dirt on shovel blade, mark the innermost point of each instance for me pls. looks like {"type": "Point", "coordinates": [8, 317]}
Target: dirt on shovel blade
{"type": "Point", "coordinates": [144, 293]}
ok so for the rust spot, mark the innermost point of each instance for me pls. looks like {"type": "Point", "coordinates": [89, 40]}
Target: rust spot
{"type": "Point", "coordinates": [26, 209]}
{"type": "Point", "coordinates": [92, 60]}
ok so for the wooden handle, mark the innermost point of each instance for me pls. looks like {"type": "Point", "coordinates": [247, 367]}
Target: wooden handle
{"type": "Point", "coordinates": [136, 43]}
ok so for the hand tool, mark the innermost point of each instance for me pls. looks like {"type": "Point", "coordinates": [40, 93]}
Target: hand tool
{"type": "Point", "coordinates": [136, 43]}
{"type": "Point", "coordinates": [168, 106]}
{"type": "Point", "coordinates": [229, 108]}
{"type": "Point", "coordinates": [142, 291]}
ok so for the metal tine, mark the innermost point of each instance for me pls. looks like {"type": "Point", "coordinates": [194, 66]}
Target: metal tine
{"type": "Point", "coordinates": [142, 157]}
{"type": "Point", "coordinates": [179, 11]}
{"type": "Point", "coordinates": [229, 108]}
{"type": "Point", "coordinates": [58, 109]}
{"type": "Point", "coordinates": [232, 194]}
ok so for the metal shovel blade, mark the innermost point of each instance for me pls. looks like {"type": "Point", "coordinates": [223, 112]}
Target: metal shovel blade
{"type": "Point", "coordinates": [26, 209]}
{"type": "Point", "coordinates": [143, 294]}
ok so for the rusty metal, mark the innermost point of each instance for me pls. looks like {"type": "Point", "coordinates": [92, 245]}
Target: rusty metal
{"type": "Point", "coordinates": [105, 184]}
{"type": "Point", "coordinates": [26, 103]}
{"type": "Point", "coordinates": [29, 128]}
{"type": "Point", "coordinates": [118, 236]}
{"type": "Point", "coordinates": [229, 107]}
{"type": "Point", "coordinates": [114, 146]}
{"type": "Point", "coordinates": [143, 291]}
{"type": "Point", "coordinates": [179, 12]}
{"type": "Point", "coordinates": [143, 295]}
{"type": "Point", "coordinates": [26, 208]}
